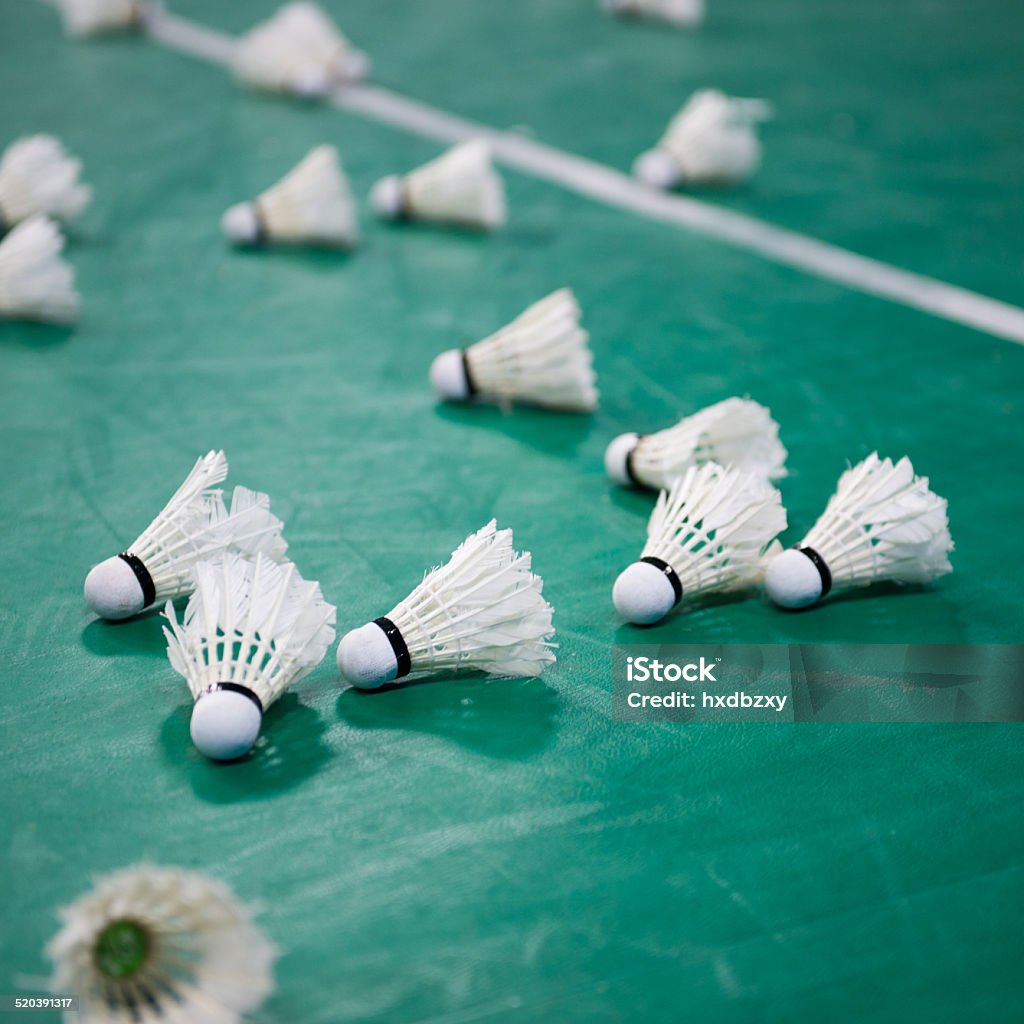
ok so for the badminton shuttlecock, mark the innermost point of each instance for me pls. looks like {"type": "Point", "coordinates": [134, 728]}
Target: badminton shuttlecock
{"type": "Point", "coordinates": [37, 176]}
{"type": "Point", "coordinates": [311, 205]}
{"type": "Point", "coordinates": [883, 523]}
{"type": "Point", "coordinates": [483, 610]}
{"type": "Point", "coordinates": [685, 13]}
{"type": "Point", "coordinates": [711, 141]}
{"type": "Point", "coordinates": [96, 17]}
{"type": "Point", "coordinates": [709, 533]}
{"type": "Point", "coordinates": [250, 630]}
{"type": "Point", "coordinates": [541, 358]}
{"type": "Point", "coordinates": [736, 432]}
{"type": "Point", "coordinates": [36, 283]}
{"type": "Point", "coordinates": [151, 944]}
{"type": "Point", "coordinates": [299, 50]}
{"type": "Point", "coordinates": [460, 187]}
{"type": "Point", "coordinates": [194, 525]}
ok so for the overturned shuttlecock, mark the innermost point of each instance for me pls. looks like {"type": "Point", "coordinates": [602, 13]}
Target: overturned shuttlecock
{"type": "Point", "coordinates": [99, 17]}
{"type": "Point", "coordinates": [460, 187]}
{"type": "Point", "coordinates": [311, 205]}
{"type": "Point", "coordinates": [38, 176]}
{"type": "Point", "coordinates": [251, 629]}
{"type": "Point", "coordinates": [882, 523]}
{"type": "Point", "coordinates": [35, 282]}
{"type": "Point", "coordinates": [711, 141]}
{"type": "Point", "coordinates": [152, 944]}
{"type": "Point", "coordinates": [682, 13]}
{"type": "Point", "coordinates": [709, 533]}
{"type": "Point", "coordinates": [299, 50]}
{"type": "Point", "coordinates": [482, 610]}
{"type": "Point", "coordinates": [194, 525]}
{"type": "Point", "coordinates": [735, 432]}
{"type": "Point", "coordinates": [540, 358]}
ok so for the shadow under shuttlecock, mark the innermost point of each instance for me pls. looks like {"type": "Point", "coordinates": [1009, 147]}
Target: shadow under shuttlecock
{"type": "Point", "coordinates": [317, 257]}
{"type": "Point", "coordinates": [138, 636]}
{"type": "Point", "coordinates": [635, 500]}
{"type": "Point", "coordinates": [32, 334]}
{"type": "Point", "coordinates": [290, 750]}
{"type": "Point", "coordinates": [507, 719]}
{"type": "Point", "coordinates": [550, 431]}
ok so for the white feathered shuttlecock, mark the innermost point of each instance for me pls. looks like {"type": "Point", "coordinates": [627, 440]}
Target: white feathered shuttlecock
{"type": "Point", "coordinates": [882, 523]}
{"type": "Point", "coordinates": [711, 141]}
{"type": "Point", "coordinates": [251, 629]}
{"type": "Point", "coordinates": [38, 176]}
{"type": "Point", "coordinates": [735, 432]}
{"type": "Point", "coordinates": [36, 283]}
{"type": "Point", "coordinates": [682, 13]}
{"type": "Point", "coordinates": [299, 50]}
{"type": "Point", "coordinates": [709, 533]}
{"type": "Point", "coordinates": [97, 17]}
{"type": "Point", "coordinates": [311, 205]}
{"type": "Point", "coordinates": [482, 610]}
{"type": "Point", "coordinates": [459, 187]}
{"type": "Point", "coordinates": [152, 944]}
{"type": "Point", "coordinates": [542, 358]}
{"type": "Point", "coordinates": [194, 525]}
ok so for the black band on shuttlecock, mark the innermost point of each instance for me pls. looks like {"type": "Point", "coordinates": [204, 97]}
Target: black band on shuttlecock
{"type": "Point", "coordinates": [471, 388]}
{"type": "Point", "coordinates": [262, 234]}
{"type": "Point", "coordinates": [630, 471]}
{"type": "Point", "coordinates": [236, 688]}
{"type": "Point", "coordinates": [670, 574]}
{"type": "Point", "coordinates": [398, 645]}
{"type": "Point", "coordinates": [823, 570]}
{"type": "Point", "coordinates": [142, 575]}
{"type": "Point", "coordinates": [404, 201]}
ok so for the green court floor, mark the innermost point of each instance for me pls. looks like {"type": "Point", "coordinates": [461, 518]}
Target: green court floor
{"type": "Point", "coordinates": [472, 850]}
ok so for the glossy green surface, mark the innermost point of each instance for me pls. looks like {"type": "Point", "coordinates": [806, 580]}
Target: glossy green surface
{"type": "Point", "coordinates": [467, 850]}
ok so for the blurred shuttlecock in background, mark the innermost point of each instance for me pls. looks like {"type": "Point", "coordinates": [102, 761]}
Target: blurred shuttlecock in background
{"type": "Point", "coordinates": [459, 187]}
{"type": "Point", "coordinates": [882, 523]}
{"type": "Point", "coordinates": [299, 50]}
{"type": "Point", "coordinates": [98, 17]}
{"type": "Point", "coordinates": [711, 141]}
{"type": "Point", "coordinates": [683, 13]}
{"type": "Point", "coordinates": [735, 432]}
{"type": "Point", "coordinates": [709, 533]}
{"type": "Point", "coordinates": [37, 176]}
{"type": "Point", "coordinates": [482, 610]}
{"type": "Point", "coordinates": [36, 283]}
{"type": "Point", "coordinates": [250, 630]}
{"type": "Point", "coordinates": [194, 525]}
{"type": "Point", "coordinates": [542, 358]}
{"type": "Point", "coordinates": [311, 205]}
{"type": "Point", "coordinates": [152, 944]}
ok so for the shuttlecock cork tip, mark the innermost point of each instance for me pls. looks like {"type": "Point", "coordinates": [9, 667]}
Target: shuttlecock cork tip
{"type": "Point", "coordinates": [113, 590]}
{"type": "Point", "coordinates": [657, 169]}
{"type": "Point", "coordinates": [225, 724]}
{"type": "Point", "coordinates": [644, 594]}
{"type": "Point", "coordinates": [241, 224]}
{"type": "Point", "coordinates": [366, 657]}
{"type": "Point", "coordinates": [309, 83]}
{"type": "Point", "coordinates": [448, 376]}
{"type": "Point", "coordinates": [793, 580]}
{"type": "Point", "coordinates": [386, 197]}
{"type": "Point", "coordinates": [616, 458]}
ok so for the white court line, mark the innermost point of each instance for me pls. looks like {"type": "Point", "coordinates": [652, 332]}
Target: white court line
{"type": "Point", "coordinates": [613, 188]}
